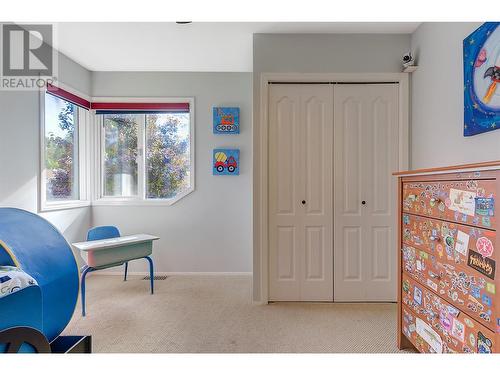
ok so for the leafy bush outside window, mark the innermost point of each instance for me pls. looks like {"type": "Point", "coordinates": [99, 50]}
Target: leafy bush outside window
{"type": "Point", "coordinates": [61, 149]}
{"type": "Point", "coordinates": [163, 169]}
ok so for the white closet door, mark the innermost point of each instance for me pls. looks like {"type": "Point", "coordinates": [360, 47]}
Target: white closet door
{"type": "Point", "coordinates": [300, 192]}
{"type": "Point", "coordinates": [366, 153]}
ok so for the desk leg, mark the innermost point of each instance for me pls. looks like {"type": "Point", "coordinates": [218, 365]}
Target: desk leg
{"type": "Point", "coordinates": [151, 273]}
{"type": "Point", "coordinates": [84, 273]}
{"type": "Point", "coordinates": [126, 269]}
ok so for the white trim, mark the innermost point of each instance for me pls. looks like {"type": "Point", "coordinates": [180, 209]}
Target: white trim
{"type": "Point", "coordinates": [140, 199]}
{"type": "Point", "coordinates": [260, 151]}
{"type": "Point", "coordinates": [82, 139]}
{"type": "Point", "coordinates": [449, 171]}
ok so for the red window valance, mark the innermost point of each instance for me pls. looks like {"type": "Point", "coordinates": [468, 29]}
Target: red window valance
{"type": "Point", "coordinates": [66, 95]}
{"type": "Point", "coordinates": [139, 107]}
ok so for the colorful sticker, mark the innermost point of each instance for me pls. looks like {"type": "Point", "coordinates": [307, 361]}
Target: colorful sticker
{"type": "Point", "coordinates": [490, 287]}
{"type": "Point", "coordinates": [429, 335]}
{"type": "Point", "coordinates": [472, 340]}
{"type": "Point", "coordinates": [463, 201]}
{"type": "Point", "coordinates": [417, 295]}
{"type": "Point", "coordinates": [484, 265]}
{"type": "Point", "coordinates": [469, 323]}
{"type": "Point", "coordinates": [462, 243]}
{"type": "Point", "coordinates": [475, 291]}
{"type": "Point", "coordinates": [406, 286]}
{"type": "Point", "coordinates": [441, 206]}
{"type": "Point", "coordinates": [485, 206]}
{"type": "Point", "coordinates": [458, 330]}
{"type": "Point", "coordinates": [445, 321]}
{"type": "Point", "coordinates": [431, 284]}
{"type": "Point", "coordinates": [483, 343]}
{"type": "Point", "coordinates": [484, 246]}
{"type": "Point", "coordinates": [449, 241]}
{"type": "Point", "coordinates": [485, 220]}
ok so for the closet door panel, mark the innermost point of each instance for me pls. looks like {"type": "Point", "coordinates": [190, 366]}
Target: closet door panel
{"type": "Point", "coordinates": [317, 153]}
{"type": "Point", "coordinates": [366, 153]}
{"type": "Point", "coordinates": [285, 232]}
{"type": "Point", "coordinates": [300, 193]}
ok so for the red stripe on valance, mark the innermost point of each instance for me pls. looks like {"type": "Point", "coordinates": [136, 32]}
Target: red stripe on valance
{"type": "Point", "coordinates": [63, 94]}
{"type": "Point", "coordinates": [181, 107]}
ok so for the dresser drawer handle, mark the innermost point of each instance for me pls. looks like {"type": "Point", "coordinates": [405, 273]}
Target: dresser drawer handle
{"type": "Point", "coordinates": [435, 276]}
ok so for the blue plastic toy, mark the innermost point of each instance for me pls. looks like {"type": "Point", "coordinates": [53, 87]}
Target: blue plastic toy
{"type": "Point", "coordinates": [39, 276]}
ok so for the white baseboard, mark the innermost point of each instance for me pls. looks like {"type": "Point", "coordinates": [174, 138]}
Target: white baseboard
{"type": "Point", "coordinates": [145, 273]}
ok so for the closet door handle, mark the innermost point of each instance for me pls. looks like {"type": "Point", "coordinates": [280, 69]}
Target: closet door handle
{"type": "Point", "coordinates": [363, 202]}
{"type": "Point", "coordinates": [303, 202]}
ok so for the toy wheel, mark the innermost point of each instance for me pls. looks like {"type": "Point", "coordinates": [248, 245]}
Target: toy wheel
{"type": "Point", "coordinates": [230, 168]}
{"type": "Point", "coordinates": [220, 169]}
{"type": "Point", "coordinates": [15, 337]}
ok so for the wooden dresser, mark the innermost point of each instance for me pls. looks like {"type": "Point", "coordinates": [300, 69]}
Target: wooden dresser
{"type": "Point", "coordinates": [449, 289]}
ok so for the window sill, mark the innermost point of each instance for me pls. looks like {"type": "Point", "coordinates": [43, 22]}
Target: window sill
{"type": "Point", "coordinates": [140, 202]}
{"type": "Point", "coordinates": [66, 205]}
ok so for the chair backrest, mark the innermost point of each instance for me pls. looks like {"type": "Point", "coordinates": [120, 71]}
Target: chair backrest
{"type": "Point", "coordinates": [102, 233]}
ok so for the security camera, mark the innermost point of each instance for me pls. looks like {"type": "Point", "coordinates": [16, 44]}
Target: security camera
{"type": "Point", "coordinates": [407, 60]}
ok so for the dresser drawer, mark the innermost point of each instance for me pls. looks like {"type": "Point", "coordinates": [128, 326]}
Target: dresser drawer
{"type": "Point", "coordinates": [449, 242]}
{"type": "Point", "coordinates": [433, 325]}
{"type": "Point", "coordinates": [469, 201]}
{"type": "Point", "coordinates": [464, 287]}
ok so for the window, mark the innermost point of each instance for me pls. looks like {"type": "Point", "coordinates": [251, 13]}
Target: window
{"type": "Point", "coordinates": [167, 155]}
{"type": "Point", "coordinates": [62, 148]}
{"type": "Point", "coordinates": [147, 154]}
{"type": "Point", "coordinates": [120, 154]}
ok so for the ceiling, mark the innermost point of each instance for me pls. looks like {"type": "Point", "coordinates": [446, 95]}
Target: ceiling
{"type": "Point", "coordinates": [199, 46]}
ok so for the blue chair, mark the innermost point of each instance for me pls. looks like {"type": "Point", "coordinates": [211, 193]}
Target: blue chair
{"type": "Point", "coordinates": [102, 233]}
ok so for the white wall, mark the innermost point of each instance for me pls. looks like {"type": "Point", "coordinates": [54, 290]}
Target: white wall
{"type": "Point", "coordinates": [19, 152]}
{"type": "Point", "coordinates": [437, 100]}
{"type": "Point", "coordinates": [210, 230]}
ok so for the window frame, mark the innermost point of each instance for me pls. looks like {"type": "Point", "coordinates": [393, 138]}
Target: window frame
{"type": "Point", "coordinates": [83, 136]}
{"type": "Point", "coordinates": [140, 199]}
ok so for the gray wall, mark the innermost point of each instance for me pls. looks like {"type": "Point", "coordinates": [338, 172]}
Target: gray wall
{"type": "Point", "coordinates": [19, 151]}
{"type": "Point", "coordinates": [320, 53]}
{"type": "Point", "coordinates": [209, 230]}
{"type": "Point", "coordinates": [437, 100]}
{"type": "Point", "coordinates": [330, 53]}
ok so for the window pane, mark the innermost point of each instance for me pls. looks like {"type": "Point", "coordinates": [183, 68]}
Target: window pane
{"type": "Point", "coordinates": [167, 154]}
{"type": "Point", "coordinates": [61, 149]}
{"type": "Point", "coordinates": [120, 159]}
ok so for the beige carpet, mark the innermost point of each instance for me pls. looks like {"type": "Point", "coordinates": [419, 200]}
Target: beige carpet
{"type": "Point", "coordinates": [207, 314]}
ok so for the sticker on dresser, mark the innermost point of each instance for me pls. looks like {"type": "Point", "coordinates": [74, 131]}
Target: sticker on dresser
{"type": "Point", "coordinates": [448, 235]}
{"type": "Point", "coordinates": [470, 202]}
{"type": "Point", "coordinates": [448, 241]}
{"type": "Point", "coordinates": [464, 287]}
{"type": "Point", "coordinates": [436, 326]}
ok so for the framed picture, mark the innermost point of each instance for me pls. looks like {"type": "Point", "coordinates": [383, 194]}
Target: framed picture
{"type": "Point", "coordinates": [482, 79]}
{"type": "Point", "coordinates": [226, 162]}
{"type": "Point", "coordinates": [226, 120]}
